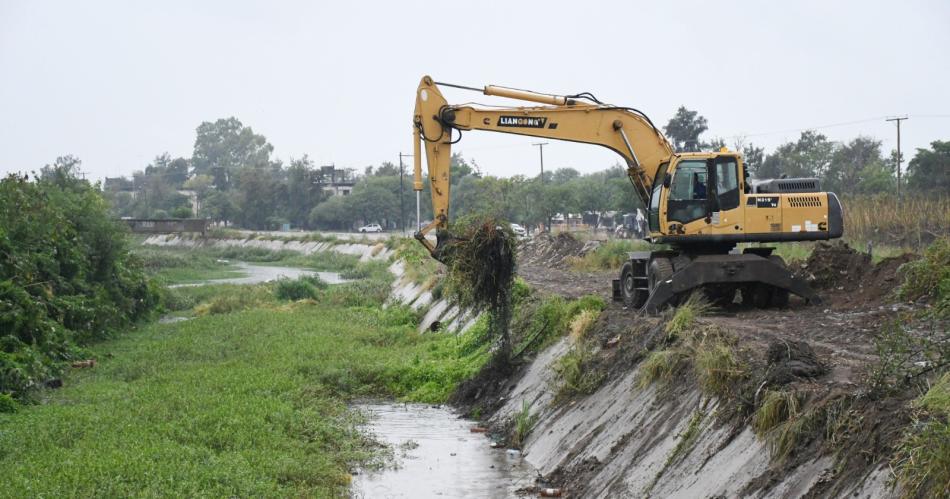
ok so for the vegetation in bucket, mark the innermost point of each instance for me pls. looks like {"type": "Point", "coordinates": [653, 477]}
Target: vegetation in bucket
{"type": "Point", "coordinates": [481, 268]}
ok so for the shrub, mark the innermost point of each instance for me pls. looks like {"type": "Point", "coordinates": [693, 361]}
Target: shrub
{"type": "Point", "coordinates": [8, 404]}
{"type": "Point", "coordinates": [929, 277]}
{"type": "Point", "coordinates": [174, 300]}
{"type": "Point", "coordinates": [66, 275]}
{"type": "Point", "coordinates": [233, 298]}
{"type": "Point", "coordinates": [363, 293]}
{"type": "Point", "coordinates": [296, 289]}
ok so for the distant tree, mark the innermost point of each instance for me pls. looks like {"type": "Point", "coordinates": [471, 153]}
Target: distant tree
{"type": "Point", "coordinates": [174, 171]}
{"type": "Point", "coordinates": [153, 193]}
{"type": "Point", "coordinates": [374, 201]}
{"type": "Point", "coordinates": [684, 129]}
{"type": "Point", "coordinates": [257, 196]}
{"type": "Point", "coordinates": [63, 172]}
{"type": "Point", "coordinates": [807, 157]}
{"type": "Point", "coordinates": [857, 167]}
{"type": "Point", "coordinates": [219, 206]}
{"type": "Point", "coordinates": [593, 193]}
{"type": "Point", "coordinates": [182, 212]}
{"type": "Point", "coordinates": [334, 213]}
{"type": "Point", "coordinates": [226, 146]}
{"type": "Point", "coordinates": [303, 193]}
{"type": "Point", "coordinates": [202, 185]}
{"type": "Point", "coordinates": [177, 170]}
{"type": "Point", "coordinates": [387, 169]}
{"type": "Point", "coordinates": [461, 168]}
{"type": "Point", "coordinates": [753, 157]}
{"type": "Point", "coordinates": [929, 171]}
{"type": "Point", "coordinates": [562, 175]}
{"type": "Point", "coordinates": [713, 145]}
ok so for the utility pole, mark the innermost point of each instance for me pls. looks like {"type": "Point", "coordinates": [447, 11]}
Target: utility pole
{"type": "Point", "coordinates": [898, 121]}
{"type": "Point", "coordinates": [402, 209]}
{"type": "Point", "coordinates": [541, 153]}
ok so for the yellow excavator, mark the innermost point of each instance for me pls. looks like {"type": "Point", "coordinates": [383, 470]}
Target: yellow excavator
{"type": "Point", "coordinates": [700, 205]}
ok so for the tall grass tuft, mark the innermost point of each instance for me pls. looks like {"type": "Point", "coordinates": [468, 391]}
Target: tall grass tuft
{"type": "Point", "coordinates": [918, 221]}
{"type": "Point", "coordinates": [661, 366]}
{"type": "Point", "coordinates": [686, 314]}
{"type": "Point", "coordinates": [609, 255]}
{"type": "Point", "coordinates": [923, 457]}
{"type": "Point", "coordinates": [777, 407]}
{"type": "Point", "coordinates": [524, 423]}
{"type": "Point", "coordinates": [581, 324]}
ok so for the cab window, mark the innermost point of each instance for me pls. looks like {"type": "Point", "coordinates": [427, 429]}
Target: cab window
{"type": "Point", "coordinates": [687, 199]}
{"type": "Point", "coordinates": [727, 183]}
{"type": "Point", "coordinates": [654, 217]}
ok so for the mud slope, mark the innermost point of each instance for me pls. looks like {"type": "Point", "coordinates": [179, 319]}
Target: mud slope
{"type": "Point", "coordinates": [621, 441]}
{"type": "Point", "coordinates": [633, 439]}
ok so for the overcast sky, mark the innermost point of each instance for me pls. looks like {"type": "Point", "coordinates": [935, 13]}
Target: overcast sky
{"type": "Point", "coordinates": [116, 83]}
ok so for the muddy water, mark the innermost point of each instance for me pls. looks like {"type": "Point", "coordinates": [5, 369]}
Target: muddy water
{"type": "Point", "coordinates": [438, 456]}
{"type": "Point", "coordinates": [255, 274]}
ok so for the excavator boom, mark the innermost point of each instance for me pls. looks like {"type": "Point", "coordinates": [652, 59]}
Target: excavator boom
{"type": "Point", "coordinates": [580, 118]}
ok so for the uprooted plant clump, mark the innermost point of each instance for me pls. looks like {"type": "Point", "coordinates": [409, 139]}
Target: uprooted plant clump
{"type": "Point", "coordinates": [481, 270]}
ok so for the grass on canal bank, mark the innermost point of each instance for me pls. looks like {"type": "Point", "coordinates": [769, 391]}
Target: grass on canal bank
{"type": "Point", "coordinates": [247, 403]}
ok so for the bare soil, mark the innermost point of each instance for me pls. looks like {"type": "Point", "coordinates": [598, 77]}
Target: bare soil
{"type": "Point", "coordinates": [858, 298]}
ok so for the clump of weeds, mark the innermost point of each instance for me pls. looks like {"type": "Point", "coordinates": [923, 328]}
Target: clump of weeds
{"type": "Point", "coordinates": [524, 423]}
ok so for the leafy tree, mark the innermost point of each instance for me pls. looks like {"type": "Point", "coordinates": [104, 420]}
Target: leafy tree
{"type": "Point", "coordinates": [810, 156]}
{"type": "Point", "coordinates": [375, 200]}
{"type": "Point", "coordinates": [226, 146]}
{"type": "Point", "coordinates": [334, 213]}
{"type": "Point", "coordinates": [62, 172]}
{"type": "Point", "coordinates": [684, 129]}
{"type": "Point", "coordinates": [303, 193]}
{"type": "Point", "coordinates": [857, 167]}
{"type": "Point", "coordinates": [753, 157]}
{"type": "Point", "coordinates": [202, 185]}
{"type": "Point", "coordinates": [562, 175]}
{"type": "Point", "coordinates": [182, 212]}
{"type": "Point", "coordinates": [929, 171]}
{"type": "Point", "coordinates": [461, 168]}
{"type": "Point", "coordinates": [387, 169]}
{"type": "Point", "coordinates": [219, 206]}
{"type": "Point", "coordinates": [257, 196]}
{"type": "Point", "coordinates": [713, 145]}
{"type": "Point", "coordinates": [174, 171]}
{"type": "Point", "coordinates": [66, 275]}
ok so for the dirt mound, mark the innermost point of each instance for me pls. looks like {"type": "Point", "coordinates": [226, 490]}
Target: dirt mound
{"type": "Point", "coordinates": [554, 251]}
{"type": "Point", "coordinates": [791, 360]}
{"type": "Point", "coordinates": [835, 264]}
{"type": "Point", "coordinates": [850, 274]}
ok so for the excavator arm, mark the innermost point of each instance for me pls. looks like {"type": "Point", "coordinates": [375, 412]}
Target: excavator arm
{"type": "Point", "coordinates": [579, 118]}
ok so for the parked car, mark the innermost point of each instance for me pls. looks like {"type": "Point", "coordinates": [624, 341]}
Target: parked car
{"type": "Point", "coordinates": [519, 230]}
{"type": "Point", "coordinates": [371, 228]}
